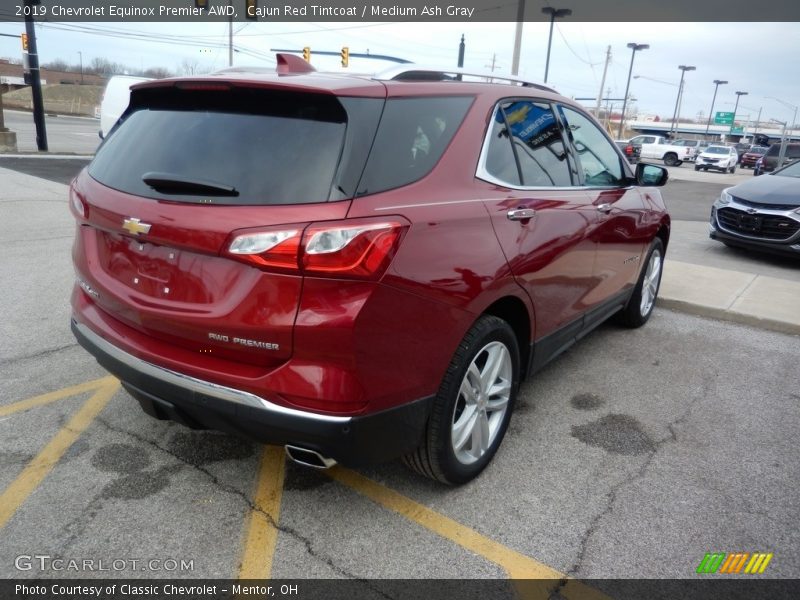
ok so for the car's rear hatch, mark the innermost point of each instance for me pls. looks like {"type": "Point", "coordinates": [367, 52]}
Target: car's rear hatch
{"type": "Point", "coordinates": [192, 166]}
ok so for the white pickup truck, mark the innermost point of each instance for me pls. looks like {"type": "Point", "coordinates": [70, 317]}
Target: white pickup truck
{"type": "Point", "coordinates": [656, 146]}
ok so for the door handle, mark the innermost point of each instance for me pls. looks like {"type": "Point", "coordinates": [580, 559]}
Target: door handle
{"type": "Point", "coordinates": [604, 208]}
{"type": "Point", "coordinates": [520, 214]}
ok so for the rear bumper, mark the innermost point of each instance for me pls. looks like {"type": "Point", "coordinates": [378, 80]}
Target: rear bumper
{"type": "Point", "coordinates": [350, 440]}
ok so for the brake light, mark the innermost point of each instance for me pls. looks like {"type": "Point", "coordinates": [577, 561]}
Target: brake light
{"type": "Point", "coordinates": [203, 86]}
{"type": "Point", "coordinates": [354, 249]}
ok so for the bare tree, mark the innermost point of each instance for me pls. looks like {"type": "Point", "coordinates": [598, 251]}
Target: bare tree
{"type": "Point", "coordinates": [57, 65]}
{"type": "Point", "coordinates": [156, 73]}
{"type": "Point", "coordinates": [192, 67]}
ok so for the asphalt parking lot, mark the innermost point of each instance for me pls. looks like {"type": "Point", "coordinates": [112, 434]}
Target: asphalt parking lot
{"type": "Point", "coordinates": [631, 456]}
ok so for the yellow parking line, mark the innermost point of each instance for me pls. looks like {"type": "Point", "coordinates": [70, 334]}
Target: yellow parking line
{"type": "Point", "coordinates": [53, 396]}
{"type": "Point", "coordinates": [518, 566]}
{"type": "Point", "coordinates": [262, 535]}
{"type": "Point", "coordinates": [38, 468]}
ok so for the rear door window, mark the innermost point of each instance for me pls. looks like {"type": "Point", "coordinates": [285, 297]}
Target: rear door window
{"type": "Point", "coordinates": [240, 146]}
{"type": "Point", "coordinates": [525, 147]}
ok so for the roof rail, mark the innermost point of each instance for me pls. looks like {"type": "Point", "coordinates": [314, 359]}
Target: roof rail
{"type": "Point", "coordinates": [412, 72]}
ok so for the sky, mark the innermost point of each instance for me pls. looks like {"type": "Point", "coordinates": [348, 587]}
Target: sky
{"type": "Point", "coordinates": [753, 57]}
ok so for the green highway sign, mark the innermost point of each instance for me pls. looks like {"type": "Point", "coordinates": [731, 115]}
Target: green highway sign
{"type": "Point", "coordinates": [723, 118]}
{"type": "Point", "coordinates": [737, 129]}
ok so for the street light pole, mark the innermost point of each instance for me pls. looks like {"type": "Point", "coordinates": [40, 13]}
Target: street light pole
{"type": "Point", "coordinates": [634, 47]}
{"type": "Point", "coordinates": [554, 14]}
{"type": "Point", "coordinates": [518, 38]}
{"type": "Point", "coordinates": [717, 83]}
{"type": "Point", "coordinates": [683, 69]}
{"type": "Point", "coordinates": [787, 104]}
{"type": "Point", "coordinates": [735, 108]}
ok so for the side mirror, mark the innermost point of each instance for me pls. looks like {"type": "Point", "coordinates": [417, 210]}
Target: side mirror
{"type": "Point", "coordinates": [651, 175]}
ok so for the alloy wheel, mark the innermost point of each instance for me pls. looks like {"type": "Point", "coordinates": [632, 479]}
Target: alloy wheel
{"type": "Point", "coordinates": [482, 403]}
{"type": "Point", "coordinates": [650, 283]}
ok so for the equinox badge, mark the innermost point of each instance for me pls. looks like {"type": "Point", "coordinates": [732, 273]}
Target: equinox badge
{"type": "Point", "coordinates": [135, 226]}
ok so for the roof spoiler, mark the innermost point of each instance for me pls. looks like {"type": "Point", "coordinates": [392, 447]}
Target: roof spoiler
{"type": "Point", "coordinates": [289, 64]}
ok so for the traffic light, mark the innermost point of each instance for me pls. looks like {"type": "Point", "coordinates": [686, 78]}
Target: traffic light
{"type": "Point", "coordinates": [24, 38]}
{"type": "Point", "coordinates": [307, 53]}
{"type": "Point", "coordinates": [250, 7]}
{"type": "Point", "coordinates": [345, 56]}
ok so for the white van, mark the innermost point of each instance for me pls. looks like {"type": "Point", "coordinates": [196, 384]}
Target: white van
{"type": "Point", "coordinates": [115, 100]}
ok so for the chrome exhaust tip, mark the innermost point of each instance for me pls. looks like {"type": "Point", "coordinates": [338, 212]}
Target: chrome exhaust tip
{"type": "Point", "coordinates": [309, 458]}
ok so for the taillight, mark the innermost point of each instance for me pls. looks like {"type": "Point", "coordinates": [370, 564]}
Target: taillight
{"type": "Point", "coordinates": [355, 249]}
{"type": "Point", "coordinates": [269, 248]}
{"type": "Point", "coordinates": [78, 204]}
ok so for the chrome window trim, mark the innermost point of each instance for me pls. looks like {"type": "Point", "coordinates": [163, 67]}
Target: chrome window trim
{"type": "Point", "coordinates": [483, 174]}
{"type": "Point", "coordinates": [208, 388]}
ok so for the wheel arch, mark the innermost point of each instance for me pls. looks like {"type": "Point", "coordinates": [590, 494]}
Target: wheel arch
{"type": "Point", "coordinates": [514, 312]}
{"type": "Point", "coordinates": [663, 233]}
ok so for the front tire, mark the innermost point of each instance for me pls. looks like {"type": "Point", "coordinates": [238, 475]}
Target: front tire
{"type": "Point", "coordinates": [643, 300]}
{"type": "Point", "coordinates": [471, 412]}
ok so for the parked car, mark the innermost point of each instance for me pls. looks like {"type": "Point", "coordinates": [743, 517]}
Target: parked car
{"type": "Point", "coordinates": [355, 268]}
{"type": "Point", "coordinates": [749, 158]}
{"type": "Point", "coordinates": [659, 147]}
{"type": "Point", "coordinates": [718, 158]}
{"type": "Point", "coordinates": [694, 145]}
{"type": "Point", "coordinates": [632, 152]}
{"type": "Point", "coordinates": [761, 214]}
{"type": "Point", "coordinates": [769, 162]}
{"type": "Point", "coordinates": [741, 148]}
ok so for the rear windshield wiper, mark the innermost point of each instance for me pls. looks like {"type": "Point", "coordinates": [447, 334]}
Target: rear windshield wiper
{"type": "Point", "coordinates": [171, 183]}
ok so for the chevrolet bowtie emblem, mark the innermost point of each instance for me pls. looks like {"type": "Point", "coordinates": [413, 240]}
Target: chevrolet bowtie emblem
{"type": "Point", "coordinates": [135, 226]}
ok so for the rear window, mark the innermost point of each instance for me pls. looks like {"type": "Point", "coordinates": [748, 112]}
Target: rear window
{"type": "Point", "coordinates": [411, 138]}
{"type": "Point", "coordinates": [239, 146]}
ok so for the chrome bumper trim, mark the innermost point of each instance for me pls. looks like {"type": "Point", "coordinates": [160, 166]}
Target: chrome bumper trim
{"type": "Point", "coordinates": [214, 390]}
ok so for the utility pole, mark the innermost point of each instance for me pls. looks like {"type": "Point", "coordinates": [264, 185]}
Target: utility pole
{"type": "Point", "coordinates": [602, 83]}
{"type": "Point", "coordinates": [36, 79]}
{"type": "Point", "coordinates": [230, 38]}
{"type": "Point", "coordinates": [461, 48]}
{"type": "Point", "coordinates": [518, 38]}
{"type": "Point", "coordinates": [758, 119]}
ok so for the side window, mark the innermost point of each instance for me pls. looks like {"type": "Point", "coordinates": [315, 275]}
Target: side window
{"type": "Point", "coordinates": [598, 159]}
{"type": "Point", "coordinates": [500, 162]}
{"type": "Point", "coordinates": [411, 138]}
{"type": "Point", "coordinates": [643, 139]}
{"type": "Point", "coordinates": [535, 156]}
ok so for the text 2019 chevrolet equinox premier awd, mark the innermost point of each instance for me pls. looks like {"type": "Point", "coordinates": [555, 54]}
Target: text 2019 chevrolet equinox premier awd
{"type": "Point", "coordinates": [356, 268]}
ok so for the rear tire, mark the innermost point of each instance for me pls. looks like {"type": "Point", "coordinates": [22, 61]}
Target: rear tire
{"type": "Point", "coordinates": [643, 300]}
{"type": "Point", "coordinates": [472, 409]}
{"type": "Point", "coordinates": [671, 159]}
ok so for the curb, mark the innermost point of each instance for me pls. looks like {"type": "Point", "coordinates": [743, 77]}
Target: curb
{"type": "Point", "coordinates": [722, 314]}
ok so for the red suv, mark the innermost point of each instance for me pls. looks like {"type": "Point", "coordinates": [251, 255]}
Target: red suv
{"type": "Point", "coordinates": [355, 268]}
